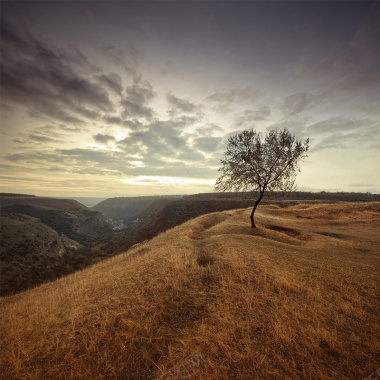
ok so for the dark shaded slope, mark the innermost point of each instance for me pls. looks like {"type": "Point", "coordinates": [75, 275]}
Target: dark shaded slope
{"type": "Point", "coordinates": [67, 217]}
{"type": "Point", "coordinates": [68, 205]}
{"type": "Point", "coordinates": [326, 197]}
{"type": "Point", "coordinates": [168, 216]}
{"type": "Point", "coordinates": [31, 253]}
{"type": "Point", "coordinates": [128, 209]}
{"type": "Point", "coordinates": [43, 239]}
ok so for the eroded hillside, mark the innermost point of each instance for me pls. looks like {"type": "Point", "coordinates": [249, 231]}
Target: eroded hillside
{"type": "Point", "coordinates": [66, 216]}
{"type": "Point", "coordinates": [213, 299]}
{"type": "Point", "coordinates": [46, 238]}
{"type": "Point", "coordinates": [130, 210]}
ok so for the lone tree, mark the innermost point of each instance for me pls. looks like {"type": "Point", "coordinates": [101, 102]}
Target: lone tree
{"type": "Point", "coordinates": [254, 165]}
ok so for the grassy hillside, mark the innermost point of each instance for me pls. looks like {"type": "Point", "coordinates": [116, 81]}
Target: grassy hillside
{"type": "Point", "coordinates": [296, 298]}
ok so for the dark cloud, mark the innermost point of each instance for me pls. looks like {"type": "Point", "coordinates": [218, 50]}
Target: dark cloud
{"type": "Point", "coordinates": [208, 130]}
{"type": "Point", "coordinates": [237, 96]}
{"type": "Point", "coordinates": [372, 109]}
{"type": "Point", "coordinates": [86, 154]}
{"type": "Point", "coordinates": [191, 155]}
{"type": "Point", "coordinates": [112, 81]}
{"type": "Point", "coordinates": [43, 79]}
{"type": "Point", "coordinates": [162, 149]}
{"type": "Point", "coordinates": [76, 57]}
{"type": "Point", "coordinates": [365, 42]}
{"type": "Point", "coordinates": [234, 95]}
{"type": "Point", "coordinates": [159, 139]}
{"type": "Point", "coordinates": [101, 162]}
{"type": "Point", "coordinates": [35, 157]}
{"type": "Point", "coordinates": [340, 124]}
{"type": "Point", "coordinates": [179, 106]}
{"type": "Point", "coordinates": [299, 102]}
{"type": "Point", "coordinates": [69, 129]}
{"type": "Point", "coordinates": [112, 119]}
{"type": "Point", "coordinates": [136, 102]}
{"type": "Point", "coordinates": [95, 161]}
{"type": "Point", "coordinates": [337, 73]}
{"type": "Point", "coordinates": [41, 136]}
{"type": "Point", "coordinates": [163, 141]}
{"type": "Point", "coordinates": [182, 121]}
{"type": "Point", "coordinates": [168, 68]}
{"type": "Point", "coordinates": [6, 107]}
{"type": "Point", "coordinates": [115, 55]}
{"type": "Point", "coordinates": [104, 138]}
{"type": "Point", "coordinates": [351, 64]}
{"type": "Point", "coordinates": [207, 144]}
{"type": "Point", "coordinates": [86, 112]}
{"type": "Point", "coordinates": [247, 117]}
{"type": "Point", "coordinates": [342, 133]}
{"type": "Point", "coordinates": [42, 139]}
{"type": "Point", "coordinates": [127, 60]}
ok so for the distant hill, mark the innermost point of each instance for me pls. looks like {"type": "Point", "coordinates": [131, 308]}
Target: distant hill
{"type": "Point", "coordinates": [86, 201]}
{"type": "Point", "coordinates": [161, 214]}
{"type": "Point", "coordinates": [128, 209]}
{"type": "Point", "coordinates": [165, 214]}
{"type": "Point", "coordinates": [295, 298]}
{"type": "Point", "coordinates": [324, 196]}
{"type": "Point", "coordinates": [45, 238]}
{"type": "Point", "coordinates": [66, 216]}
{"type": "Point", "coordinates": [99, 234]}
{"type": "Point", "coordinates": [15, 195]}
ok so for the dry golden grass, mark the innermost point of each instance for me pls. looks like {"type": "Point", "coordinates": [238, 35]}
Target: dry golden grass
{"type": "Point", "coordinates": [296, 298]}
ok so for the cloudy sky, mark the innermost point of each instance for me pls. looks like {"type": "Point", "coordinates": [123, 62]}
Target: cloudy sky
{"type": "Point", "coordinates": [138, 98]}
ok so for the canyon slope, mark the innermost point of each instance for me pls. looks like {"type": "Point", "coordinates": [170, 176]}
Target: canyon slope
{"type": "Point", "coordinates": [212, 298]}
{"type": "Point", "coordinates": [45, 238]}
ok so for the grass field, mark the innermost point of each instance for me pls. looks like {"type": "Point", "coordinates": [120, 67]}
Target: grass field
{"type": "Point", "coordinates": [295, 298]}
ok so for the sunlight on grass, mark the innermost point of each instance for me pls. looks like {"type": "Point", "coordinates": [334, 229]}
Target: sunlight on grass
{"type": "Point", "coordinates": [215, 298]}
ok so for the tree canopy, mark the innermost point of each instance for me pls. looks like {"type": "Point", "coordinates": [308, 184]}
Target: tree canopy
{"type": "Point", "coordinates": [251, 164]}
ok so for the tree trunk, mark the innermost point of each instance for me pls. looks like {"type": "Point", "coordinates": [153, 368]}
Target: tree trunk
{"type": "Point", "coordinates": [254, 209]}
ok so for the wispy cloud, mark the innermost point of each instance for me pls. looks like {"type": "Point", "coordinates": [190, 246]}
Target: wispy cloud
{"type": "Point", "coordinates": [299, 102]}
{"type": "Point", "coordinates": [112, 81]}
{"type": "Point", "coordinates": [136, 102]}
{"type": "Point", "coordinates": [343, 133]}
{"type": "Point", "coordinates": [122, 96]}
{"type": "Point", "coordinates": [223, 101]}
{"type": "Point", "coordinates": [181, 106]}
{"type": "Point", "coordinates": [45, 80]}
